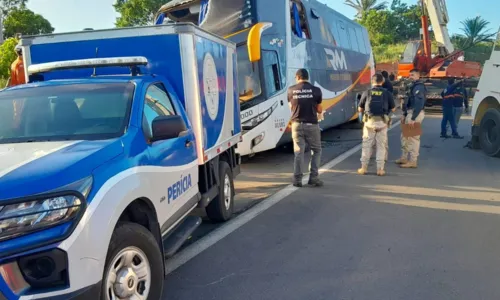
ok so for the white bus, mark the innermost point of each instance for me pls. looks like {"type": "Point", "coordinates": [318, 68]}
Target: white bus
{"type": "Point", "coordinates": [274, 39]}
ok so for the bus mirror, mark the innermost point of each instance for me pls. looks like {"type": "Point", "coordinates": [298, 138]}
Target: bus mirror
{"type": "Point", "coordinates": [253, 41]}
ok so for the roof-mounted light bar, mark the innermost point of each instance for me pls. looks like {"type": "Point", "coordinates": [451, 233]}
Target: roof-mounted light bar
{"type": "Point", "coordinates": [131, 61]}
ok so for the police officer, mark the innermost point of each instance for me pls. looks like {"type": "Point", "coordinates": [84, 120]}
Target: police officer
{"type": "Point", "coordinates": [376, 104]}
{"type": "Point", "coordinates": [387, 83]}
{"type": "Point", "coordinates": [305, 102]}
{"type": "Point", "coordinates": [413, 111]}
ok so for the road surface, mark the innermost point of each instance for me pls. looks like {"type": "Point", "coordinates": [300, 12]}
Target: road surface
{"type": "Point", "coordinates": [429, 233]}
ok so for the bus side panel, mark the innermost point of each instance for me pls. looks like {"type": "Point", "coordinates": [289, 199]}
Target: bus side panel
{"type": "Point", "coordinates": [163, 56]}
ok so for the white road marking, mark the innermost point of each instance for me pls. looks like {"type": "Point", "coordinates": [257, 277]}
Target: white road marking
{"type": "Point", "coordinates": [224, 230]}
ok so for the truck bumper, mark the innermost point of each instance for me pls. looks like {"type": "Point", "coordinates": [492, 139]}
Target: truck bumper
{"type": "Point", "coordinates": [91, 292]}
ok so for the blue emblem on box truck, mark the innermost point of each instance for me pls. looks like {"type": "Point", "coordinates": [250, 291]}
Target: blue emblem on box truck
{"type": "Point", "coordinates": [179, 188]}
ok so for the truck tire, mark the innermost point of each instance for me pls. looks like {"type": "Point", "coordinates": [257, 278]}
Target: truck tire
{"type": "Point", "coordinates": [489, 132]}
{"type": "Point", "coordinates": [221, 207]}
{"type": "Point", "coordinates": [134, 264]}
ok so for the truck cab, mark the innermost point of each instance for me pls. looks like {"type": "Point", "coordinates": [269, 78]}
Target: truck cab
{"type": "Point", "coordinates": [486, 107]}
{"type": "Point", "coordinates": [100, 174]}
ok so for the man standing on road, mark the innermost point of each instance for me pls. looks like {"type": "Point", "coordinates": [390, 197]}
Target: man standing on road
{"type": "Point", "coordinates": [305, 102]}
{"type": "Point", "coordinates": [376, 105]}
{"type": "Point", "coordinates": [387, 83]}
{"type": "Point", "coordinates": [461, 101]}
{"type": "Point", "coordinates": [17, 69]}
{"type": "Point", "coordinates": [450, 95]}
{"type": "Point", "coordinates": [413, 113]}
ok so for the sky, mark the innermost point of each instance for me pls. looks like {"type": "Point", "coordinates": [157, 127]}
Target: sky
{"type": "Point", "coordinates": [75, 15]}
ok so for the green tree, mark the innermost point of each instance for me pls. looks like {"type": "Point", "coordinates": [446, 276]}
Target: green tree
{"type": "Point", "coordinates": [7, 56]}
{"type": "Point", "coordinates": [7, 5]}
{"type": "Point", "coordinates": [137, 12]}
{"type": "Point", "coordinates": [407, 20]}
{"type": "Point", "coordinates": [364, 6]}
{"type": "Point", "coordinates": [380, 25]}
{"type": "Point", "coordinates": [476, 30]}
{"type": "Point", "coordinates": [24, 21]}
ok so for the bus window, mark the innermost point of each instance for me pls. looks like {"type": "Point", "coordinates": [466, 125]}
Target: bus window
{"type": "Point", "coordinates": [354, 39]}
{"type": "Point", "coordinates": [248, 76]}
{"type": "Point", "coordinates": [343, 35]}
{"type": "Point", "coordinates": [271, 72]}
{"type": "Point", "coordinates": [298, 20]}
{"type": "Point", "coordinates": [326, 34]}
{"type": "Point", "coordinates": [361, 40]}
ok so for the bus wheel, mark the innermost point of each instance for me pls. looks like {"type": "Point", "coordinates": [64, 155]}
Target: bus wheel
{"type": "Point", "coordinates": [221, 207]}
{"type": "Point", "coordinates": [489, 132]}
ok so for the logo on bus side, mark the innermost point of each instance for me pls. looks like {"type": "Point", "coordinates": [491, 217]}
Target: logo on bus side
{"type": "Point", "coordinates": [337, 59]}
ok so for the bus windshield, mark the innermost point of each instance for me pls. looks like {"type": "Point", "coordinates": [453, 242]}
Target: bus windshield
{"type": "Point", "coordinates": [65, 112]}
{"type": "Point", "coordinates": [221, 17]}
{"type": "Point", "coordinates": [224, 17]}
{"type": "Point", "coordinates": [248, 77]}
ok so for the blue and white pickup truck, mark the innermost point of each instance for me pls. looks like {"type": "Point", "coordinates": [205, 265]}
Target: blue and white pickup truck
{"type": "Point", "coordinates": [118, 136]}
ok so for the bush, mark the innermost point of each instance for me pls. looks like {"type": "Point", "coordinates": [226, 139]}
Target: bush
{"type": "Point", "coordinates": [3, 82]}
{"type": "Point", "coordinates": [388, 53]}
{"type": "Point", "coordinates": [7, 56]}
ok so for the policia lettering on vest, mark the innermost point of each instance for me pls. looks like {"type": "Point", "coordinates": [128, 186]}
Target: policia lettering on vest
{"type": "Point", "coordinates": [376, 105]}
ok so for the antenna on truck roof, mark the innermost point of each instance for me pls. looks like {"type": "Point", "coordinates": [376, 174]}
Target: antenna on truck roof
{"type": "Point", "coordinates": [132, 62]}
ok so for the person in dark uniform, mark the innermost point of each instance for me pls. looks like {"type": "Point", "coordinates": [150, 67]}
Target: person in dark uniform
{"type": "Point", "coordinates": [376, 105]}
{"type": "Point", "coordinates": [387, 82]}
{"type": "Point", "coordinates": [413, 113]}
{"type": "Point", "coordinates": [450, 95]}
{"type": "Point", "coordinates": [305, 102]}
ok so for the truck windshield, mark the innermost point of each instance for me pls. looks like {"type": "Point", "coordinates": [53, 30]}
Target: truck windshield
{"type": "Point", "coordinates": [65, 112]}
{"type": "Point", "coordinates": [248, 78]}
{"type": "Point", "coordinates": [410, 52]}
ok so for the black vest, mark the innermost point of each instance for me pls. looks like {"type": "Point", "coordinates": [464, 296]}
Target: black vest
{"type": "Point", "coordinates": [376, 102]}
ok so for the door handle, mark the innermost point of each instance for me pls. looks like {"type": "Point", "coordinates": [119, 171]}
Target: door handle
{"type": "Point", "coordinates": [188, 144]}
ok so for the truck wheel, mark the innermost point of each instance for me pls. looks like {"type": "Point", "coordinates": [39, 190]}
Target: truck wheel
{"type": "Point", "coordinates": [134, 265]}
{"type": "Point", "coordinates": [221, 207]}
{"type": "Point", "coordinates": [489, 132]}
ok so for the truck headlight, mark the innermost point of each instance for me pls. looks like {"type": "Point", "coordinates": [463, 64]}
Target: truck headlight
{"type": "Point", "coordinates": [252, 123]}
{"type": "Point", "coordinates": [43, 211]}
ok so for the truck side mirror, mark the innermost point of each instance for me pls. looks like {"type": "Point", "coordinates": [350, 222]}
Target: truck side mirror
{"type": "Point", "coordinates": [167, 127]}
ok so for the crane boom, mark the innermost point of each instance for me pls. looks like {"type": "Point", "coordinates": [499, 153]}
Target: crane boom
{"type": "Point", "coordinates": [438, 15]}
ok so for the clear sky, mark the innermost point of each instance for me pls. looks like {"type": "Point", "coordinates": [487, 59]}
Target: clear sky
{"type": "Point", "coordinates": [71, 15]}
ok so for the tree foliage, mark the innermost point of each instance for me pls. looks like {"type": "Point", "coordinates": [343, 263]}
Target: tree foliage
{"type": "Point", "coordinates": [364, 6]}
{"type": "Point", "coordinates": [24, 21]}
{"type": "Point", "coordinates": [7, 5]}
{"type": "Point", "coordinates": [7, 56]}
{"type": "Point", "coordinates": [137, 12]}
{"type": "Point", "coordinates": [398, 24]}
{"type": "Point", "coordinates": [475, 31]}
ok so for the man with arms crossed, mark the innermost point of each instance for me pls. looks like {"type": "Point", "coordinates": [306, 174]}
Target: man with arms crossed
{"type": "Point", "coordinates": [305, 102]}
{"type": "Point", "coordinates": [413, 113]}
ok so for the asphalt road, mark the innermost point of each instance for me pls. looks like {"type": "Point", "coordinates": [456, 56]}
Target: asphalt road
{"type": "Point", "coordinates": [429, 233]}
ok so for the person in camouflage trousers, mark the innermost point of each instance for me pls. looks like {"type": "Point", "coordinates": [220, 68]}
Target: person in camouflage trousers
{"type": "Point", "coordinates": [376, 105]}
